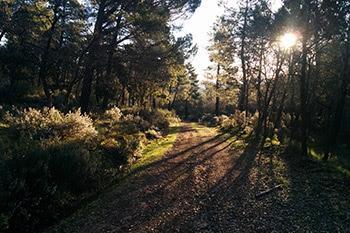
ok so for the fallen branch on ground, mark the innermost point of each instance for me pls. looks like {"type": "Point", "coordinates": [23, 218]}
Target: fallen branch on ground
{"type": "Point", "coordinates": [267, 191]}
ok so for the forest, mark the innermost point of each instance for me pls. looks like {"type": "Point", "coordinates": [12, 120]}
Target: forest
{"type": "Point", "coordinates": [107, 126]}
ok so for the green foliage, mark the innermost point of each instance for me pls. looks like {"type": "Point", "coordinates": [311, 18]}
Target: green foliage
{"type": "Point", "coordinates": [152, 134]}
{"type": "Point", "coordinates": [147, 119]}
{"type": "Point", "coordinates": [233, 123]}
{"type": "Point", "coordinates": [51, 160]}
{"type": "Point", "coordinates": [272, 142]}
{"type": "Point", "coordinates": [131, 124]}
{"type": "Point", "coordinates": [157, 148]}
{"type": "Point", "coordinates": [229, 125]}
{"type": "Point", "coordinates": [39, 183]}
{"type": "Point", "coordinates": [50, 124]}
{"type": "Point", "coordinates": [162, 118]}
{"type": "Point", "coordinates": [123, 149]}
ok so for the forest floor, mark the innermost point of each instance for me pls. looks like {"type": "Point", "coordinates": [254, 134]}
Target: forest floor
{"type": "Point", "coordinates": [208, 182]}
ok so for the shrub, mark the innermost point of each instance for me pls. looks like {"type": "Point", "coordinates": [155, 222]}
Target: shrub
{"type": "Point", "coordinates": [123, 149]}
{"type": "Point", "coordinates": [50, 124]}
{"type": "Point", "coordinates": [160, 120]}
{"type": "Point", "coordinates": [114, 114]}
{"type": "Point", "coordinates": [239, 118]}
{"type": "Point", "coordinates": [50, 161]}
{"type": "Point", "coordinates": [46, 164]}
{"type": "Point", "coordinates": [219, 120]}
{"type": "Point", "coordinates": [37, 182]}
{"type": "Point", "coordinates": [157, 117]}
{"type": "Point", "coordinates": [74, 168]}
{"type": "Point", "coordinates": [170, 116]}
{"type": "Point", "coordinates": [131, 111]}
{"type": "Point", "coordinates": [228, 125]}
{"type": "Point", "coordinates": [133, 124]}
{"type": "Point", "coordinates": [253, 120]}
{"type": "Point", "coordinates": [152, 134]}
{"type": "Point", "coordinates": [207, 119]}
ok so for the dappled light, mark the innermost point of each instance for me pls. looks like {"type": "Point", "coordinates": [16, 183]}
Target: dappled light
{"type": "Point", "coordinates": [174, 116]}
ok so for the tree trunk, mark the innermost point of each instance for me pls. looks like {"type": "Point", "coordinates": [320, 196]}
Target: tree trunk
{"type": "Point", "coordinates": [268, 97]}
{"type": "Point", "coordinates": [243, 91]}
{"type": "Point", "coordinates": [217, 102]}
{"type": "Point", "coordinates": [303, 98]}
{"type": "Point", "coordinates": [171, 106]}
{"type": "Point", "coordinates": [45, 57]}
{"type": "Point", "coordinates": [259, 94]}
{"type": "Point", "coordinates": [338, 116]}
{"type": "Point", "coordinates": [154, 102]}
{"type": "Point", "coordinates": [90, 68]}
{"type": "Point", "coordinates": [284, 95]}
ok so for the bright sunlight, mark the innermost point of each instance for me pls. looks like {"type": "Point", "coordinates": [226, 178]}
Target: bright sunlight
{"type": "Point", "coordinates": [288, 40]}
{"type": "Point", "coordinates": [174, 116]}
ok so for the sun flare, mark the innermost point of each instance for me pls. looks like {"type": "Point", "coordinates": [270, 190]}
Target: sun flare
{"type": "Point", "coordinates": [288, 40]}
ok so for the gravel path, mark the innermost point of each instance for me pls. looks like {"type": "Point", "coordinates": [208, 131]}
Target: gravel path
{"type": "Point", "coordinates": [203, 185]}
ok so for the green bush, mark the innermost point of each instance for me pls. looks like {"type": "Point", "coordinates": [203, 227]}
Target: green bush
{"type": "Point", "coordinates": [229, 125]}
{"type": "Point", "coordinates": [238, 122]}
{"type": "Point", "coordinates": [152, 134]}
{"type": "Point", "coordinates": [211, 120]}
{"type": "Point", "coordinates": [50, 124]}
{"type": "Point", "coordinates": [36, 182]}
{"type": "Point", "coordinates": [206, 118]}
{"type": "Point", "coordinates": [131, 111]}
{"type": "Point", "coordinates": [162, 118]}
{"type": "Point", "coordinates": [50, 160]}
{"type": "Point", "coordinates": [131, 124]}
{"type": "Point", "coordinates": [123, 149]}
{"type": "Point", "coordinates": [47, 162]}
{"type": "Point", "coordinates": [159, 118]}
{"type": "Point", "coordinates": [71, 160]}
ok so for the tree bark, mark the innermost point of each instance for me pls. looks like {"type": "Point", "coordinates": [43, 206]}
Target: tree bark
{"type": "Point", "coordinates": [90, 68]}
{"type": "Point", "coordinates": [243, 91]}
{"type": "Point", "coordinates": [303, 98]}
{"type": "Point", "coordinates": [339, 111]}
{"type": "Point", "coordinates": [268, 97]}
{"type": "Point", "coordinates": [259, 93]}
{"type": "Point", "coordinates": [45, 57]}
{"type": "Point", "coordinates": [217, 102]}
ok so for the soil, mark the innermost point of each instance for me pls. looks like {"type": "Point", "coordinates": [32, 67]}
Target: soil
{"type": "Point", "coordinates": [205, 184]}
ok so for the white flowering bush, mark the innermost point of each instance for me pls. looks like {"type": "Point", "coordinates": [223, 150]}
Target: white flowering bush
{"type": "Point", "coordinates": [114, 114]}
{"type": "Point", "coordinates": [50, 123]}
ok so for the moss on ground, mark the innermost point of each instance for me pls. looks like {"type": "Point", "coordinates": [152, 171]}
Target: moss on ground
{"type": "Point", "coordinates": [333, 164]}
{"type": "Point", "coordinates": [157, 148]}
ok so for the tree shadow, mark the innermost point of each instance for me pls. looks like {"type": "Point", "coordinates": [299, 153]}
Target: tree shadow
{"type": "Point", "coordinates": [318, 199]}
{"type": "Point", "coordinates": [176, 194]}
{"type": "Point", "coordinates": [172, 156]}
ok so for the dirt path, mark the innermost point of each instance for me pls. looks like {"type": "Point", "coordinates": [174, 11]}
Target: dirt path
{"type": "Point", "coordinates": [202, 185]}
